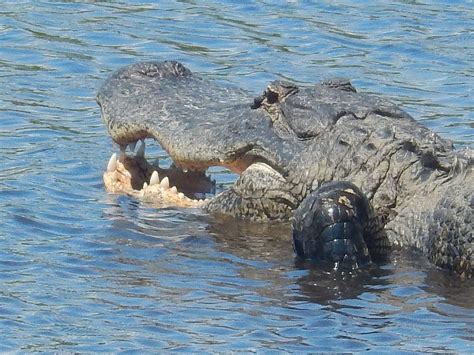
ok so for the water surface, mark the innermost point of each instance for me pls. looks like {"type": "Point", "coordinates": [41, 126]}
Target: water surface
{"type": "Point", "coordinates": [81, 270]}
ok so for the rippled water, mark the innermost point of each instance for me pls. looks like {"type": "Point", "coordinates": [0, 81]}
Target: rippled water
{"type": "Point", "coordinates": [81, 270]}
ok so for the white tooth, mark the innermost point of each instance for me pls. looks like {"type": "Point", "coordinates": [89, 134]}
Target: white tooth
{"type": "Point", "coordinates": [174, 190]}
{"type": "Point", "coordinates": [112, 165]}
{"type": "Point", "coordinates": [165, 183]}
{"type": "Point", "coordinates": [155, 179]}
{"type": "Point", "coordinates": [132, 146]}
{"type": "Point", "coordinates": [141, 150]}
{"type": "Point", "coordinates": [145, 185]}
{"type": "Point", "coordinates": [180, 195]}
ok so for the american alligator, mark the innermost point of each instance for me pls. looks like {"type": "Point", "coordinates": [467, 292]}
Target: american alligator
{"type": "Point", "coordinates": [357, 174]}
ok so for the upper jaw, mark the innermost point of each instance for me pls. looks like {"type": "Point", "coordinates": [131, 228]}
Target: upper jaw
{"type": "Point", "coordinates": [197, 129]}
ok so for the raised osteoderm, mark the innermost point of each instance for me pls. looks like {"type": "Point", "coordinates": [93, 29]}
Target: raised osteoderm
{"type": "Point", "coordinates": [361, 174]}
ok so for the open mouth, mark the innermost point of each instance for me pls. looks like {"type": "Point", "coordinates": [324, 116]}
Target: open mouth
{"type": "Point", "coordinates": [180, 184]}
{"type": "Point", "coordinates": [200, 125]}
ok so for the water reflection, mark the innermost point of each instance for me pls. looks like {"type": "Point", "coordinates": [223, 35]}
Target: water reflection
{"type": "Point", "coordinates": [234, 264]}
{"type": "Point", "coordinates": [405, 275]}
{"type": "Point", "coordinates": [450, 288]}
{"type": "Point", "coordinates": [270, 242]}
{"type": "Point", "coordinates": [263, 252]}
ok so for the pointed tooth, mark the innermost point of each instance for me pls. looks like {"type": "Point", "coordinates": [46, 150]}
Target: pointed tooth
{"type": "Point", "coordinates": [180, 195]}
{"type": "Point", "coordinates": [174, 190]}
{"type": "Point", "coordinates": [165, 183]}
{"type": "Point", "coordinates": [132, 146]}
{"type": "Point", "coordinates": [155, 179]}
{"type": "Point", "coordinates": [112, 164]}
{"type": "Point", "coordinates": [141, 150]}
{"type": "Point", "coordinates": [145, 185]}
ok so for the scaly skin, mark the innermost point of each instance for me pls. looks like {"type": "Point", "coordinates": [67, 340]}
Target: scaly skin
{"type": "Point", "coordinates": [289, 141]}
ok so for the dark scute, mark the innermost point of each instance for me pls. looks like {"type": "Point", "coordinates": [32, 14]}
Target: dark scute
{"type": "Point", "coordinates": [330, 224]}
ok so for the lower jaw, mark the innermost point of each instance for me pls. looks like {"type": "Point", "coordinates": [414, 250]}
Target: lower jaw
{"type": "Point", "coordinates": [136, 177]}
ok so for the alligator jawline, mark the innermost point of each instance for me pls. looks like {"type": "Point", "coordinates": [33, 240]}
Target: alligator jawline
{"type": "Point", "coordinates": [181, 185]}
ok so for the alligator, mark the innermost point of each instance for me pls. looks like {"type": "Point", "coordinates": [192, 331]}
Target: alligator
{"type": "Point", "coordinates": [357, 175]}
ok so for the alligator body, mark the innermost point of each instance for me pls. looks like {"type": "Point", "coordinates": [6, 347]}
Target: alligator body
{"type": "Point", "coordinates": [286, 145]}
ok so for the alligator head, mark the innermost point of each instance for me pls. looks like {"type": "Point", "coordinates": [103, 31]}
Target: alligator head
{"type": "Point", "coordinates": [401, 183]}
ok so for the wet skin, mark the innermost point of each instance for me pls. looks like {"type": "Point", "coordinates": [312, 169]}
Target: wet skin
{"type": "Point", "coordinates": [287, 143]}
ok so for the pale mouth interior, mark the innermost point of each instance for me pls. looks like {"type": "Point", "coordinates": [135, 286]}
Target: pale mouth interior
{"type": "Point", "coordinates": [165, 184]}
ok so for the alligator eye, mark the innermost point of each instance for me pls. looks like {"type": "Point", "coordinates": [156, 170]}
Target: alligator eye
{"type": "Point", "coordinates": [271, 96]}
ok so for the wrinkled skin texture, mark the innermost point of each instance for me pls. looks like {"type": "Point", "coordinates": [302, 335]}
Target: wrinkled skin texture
{"type": "Point", "coordinates": [289, 141]}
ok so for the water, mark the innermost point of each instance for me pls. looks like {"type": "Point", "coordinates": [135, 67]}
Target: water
{"type": "Point", "coordinates": [81, 270]}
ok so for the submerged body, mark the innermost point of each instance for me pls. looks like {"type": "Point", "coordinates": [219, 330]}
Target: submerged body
{"type": "Point", "coordinates": [286, 144]}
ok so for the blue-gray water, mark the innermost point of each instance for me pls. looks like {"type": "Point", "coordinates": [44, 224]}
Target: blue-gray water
{"type": "Point", "coordinates": [82, 270]}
